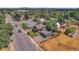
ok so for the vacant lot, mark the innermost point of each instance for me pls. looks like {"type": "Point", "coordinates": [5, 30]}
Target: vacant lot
{"type": "Point", "coordinates": [62, 42]}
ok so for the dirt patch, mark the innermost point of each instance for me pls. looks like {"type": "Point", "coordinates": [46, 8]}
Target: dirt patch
{"type": "Point", "coordinates": [6, 49]}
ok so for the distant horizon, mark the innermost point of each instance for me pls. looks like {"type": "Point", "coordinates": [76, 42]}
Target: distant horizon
{"type": "Point", "coordinates": [42, 7]}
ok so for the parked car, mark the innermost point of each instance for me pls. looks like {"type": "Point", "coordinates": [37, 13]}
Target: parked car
{"type": "Point", "coordinates": [19, 31]}
{"type": "Point", "coordinates": [11, 33]}
{"type": "Point", "coordinates": [16, 25]}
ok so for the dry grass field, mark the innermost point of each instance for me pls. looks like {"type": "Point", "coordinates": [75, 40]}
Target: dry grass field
{"type": "Point", "coordinates": [62, 42]}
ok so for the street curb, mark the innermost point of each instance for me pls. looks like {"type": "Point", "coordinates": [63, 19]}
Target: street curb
{"type": "Point", "coordinates": [35, 42]}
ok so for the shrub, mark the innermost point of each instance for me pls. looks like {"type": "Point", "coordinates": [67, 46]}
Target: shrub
{"type": "Point", "coordinates": [24, 25]}
{"type": "Point", "coordinates": [70, 30]}
{"type": "Point", "coordinates": [32, 34]}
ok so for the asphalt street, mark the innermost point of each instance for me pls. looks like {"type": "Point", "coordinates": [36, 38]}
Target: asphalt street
{"type": "Point", "coordinates": [21, 41]}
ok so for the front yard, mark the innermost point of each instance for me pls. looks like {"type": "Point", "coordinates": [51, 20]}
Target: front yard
{"type": "Point", "coordinates": [32, 34]}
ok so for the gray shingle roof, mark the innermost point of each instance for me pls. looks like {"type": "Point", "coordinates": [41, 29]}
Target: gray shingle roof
{"type": "Point", "coordinates": [40, 26]}
{"type": "Point", "coordinates": [44, 31]}
{"type": "Point", "coordinates": [31, 23]}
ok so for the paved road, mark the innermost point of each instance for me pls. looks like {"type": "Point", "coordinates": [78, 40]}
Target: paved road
{"type": "Point", "coordinates": [20, 40]}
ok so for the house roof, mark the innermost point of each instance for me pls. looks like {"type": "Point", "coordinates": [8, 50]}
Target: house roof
{"type": "Point", "coordinates": [42, 19]}
{"type": "Point", "coordinates": [44, 31]}
{"type": "Point", "coordinates": [31, 23]}
{"type": "Point", "coordinates": [40, 26]}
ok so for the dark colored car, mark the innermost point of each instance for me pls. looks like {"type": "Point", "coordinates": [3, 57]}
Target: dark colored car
{"type": "Point", "coordinates": [16, 25]}
{"type": "Point", "coordinates": [19, 31]}
{"type": "Point", "coordinates": [11, 33]}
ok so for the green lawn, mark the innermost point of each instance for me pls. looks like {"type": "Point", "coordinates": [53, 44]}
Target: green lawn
{"type": "Point", "coordinates": [32, 34]}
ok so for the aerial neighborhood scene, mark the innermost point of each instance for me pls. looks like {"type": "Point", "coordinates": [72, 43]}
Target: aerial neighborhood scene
{"type": "Point", "coordinates": [39, 29]}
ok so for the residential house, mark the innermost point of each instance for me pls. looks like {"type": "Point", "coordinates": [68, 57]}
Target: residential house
{"type": "Point", "coordinates": [38, 27]}
{"type": "Point", "coordinates": [41, 20]}
{"type": "Point", "coordinates": [31, 24]}
{"type": "Point", "coordinates": [45, 33]}
{"type": "Point", "coordinates": [22, 17]}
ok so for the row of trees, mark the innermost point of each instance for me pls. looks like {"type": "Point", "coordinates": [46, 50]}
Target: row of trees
{"type": "Point", "coordinates": [5, 32]}
{"type": "Point", "coordinates": [47, 14]}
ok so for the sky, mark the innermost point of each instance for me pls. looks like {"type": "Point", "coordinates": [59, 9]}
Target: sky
{"type": "Point", "coordinates": [39, 3]}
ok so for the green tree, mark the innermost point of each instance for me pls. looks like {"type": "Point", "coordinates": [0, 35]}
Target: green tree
{"type": "Point", "coordinates": [70, 30]}
{"type": "Point", "coordinates": [24, 25]}
{"type": "Point", "coordinates": [4, 38]}
{"type": "Point", "coordinates": [5, 32]}
{"type": "Point", "coordinates": [16, 16]}
{"type": "Point", "coordinates": [2, 21]}
{"type": "Point", "coordinates": [8, 28]}
{"type": "Point", "coordinates": [50, 24]}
